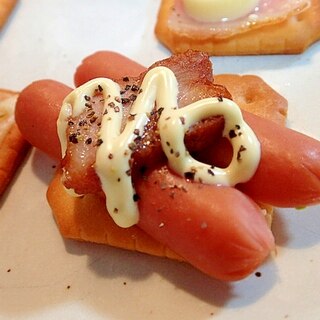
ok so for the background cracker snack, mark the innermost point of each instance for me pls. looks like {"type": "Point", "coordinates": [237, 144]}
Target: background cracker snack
{"type": "Point", "coordinates": [85, 218]}
{"type": "Point", "coordinates": [291, 36]}
{"type": "Point", "coordinates": [12, 145]}
{"type": "Point", "coordinates": [6, 7]}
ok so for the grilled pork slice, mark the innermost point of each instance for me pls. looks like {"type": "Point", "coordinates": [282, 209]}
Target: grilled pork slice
{"type": "Point", "coordinates": [193, 71]}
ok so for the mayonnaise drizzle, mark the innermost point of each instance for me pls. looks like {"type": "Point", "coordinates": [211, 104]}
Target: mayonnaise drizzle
{"type": "Point", "coordinates": [159, 86]}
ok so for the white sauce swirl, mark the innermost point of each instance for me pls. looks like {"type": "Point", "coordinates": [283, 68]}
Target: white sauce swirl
{"type": "Point", "coordinates": [159, 87]}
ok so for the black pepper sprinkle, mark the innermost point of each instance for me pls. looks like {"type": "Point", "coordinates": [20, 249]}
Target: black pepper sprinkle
{"type": "Point", "coordinates": [88, 105]}
{"type": "Point", "coordinates": [183, 120]}
{"type": "Point", "coordinates": [258, 274]}
{"type": "Point", "coordinates": [232, 134]}
{"type": "Point", "coordinates": [73, 138]}
{"type": "Point", "coordinates": [90, 114]}
{"type": "Point", "coordinates": [116, 109]}
{"type": "Point", "coordinates": [99, 142]}
{"type": "Point", "coordinates": [125, 79]}
{"type": "Point", "coordinates": [119, 179]}
{"type": "Point", "coordinates": [105, 112]}
{"type": "Point", "coordinates": [118, 99]}
{"type": "Point", "coordinates": [160, 111]}
{"type": "Point", "coordinates": [189, 175]}
{"type": "Point", "coordinates": [93, 119]}
{"type": "Point", "coordinates": [210, 172]}
{"type": "Point", "coordinates": [134, 87]}
{"type": "Point", "coordinates": [82, 123]}
{"type": "Point", "coordinates": [88, 141]}
{"type": "Point", "coordinates": [68, 287]}
{"type": "Point", "coordinates": [136, 197]}
{"type": "Point", "coordinates": [115, 210]}
{"type": "Point", "coordinates": [128, 172]}
{"type": "Point", "coordinates": [131, 117]}
{"type": "Point", "coordinates": [136, 132]}
{"type": "Point", "coordinates": [168, 143]}
{"type": "Point", "coordinates": [237, 127]}
{"type": "Point", "coordinates": [177, 154]}
{"type": "Point", "coordinates": [87, 98]}
{"type": "Point", "coordinates": [70, 123]}
{"type": "Point", "coordinates": [9, 270]}
{"type": "Point", "coordinates": [111, 104]}
{"type": "Point", "coordinates": [132, 146]}
{"type": "Point", "coordinates": [220, 98]}
{"type": "Point", "coordinates": [241, 149]}
{"type": "Point", "coordinates": [100, 88]}
{"type": "Point", "coordinates": [127, 87]}
{"type": "Point", "coordinates": [110, 156]}
{"type": "Point", "coordinates": [133, 97]}
{"type": "Point", "coordinates": [125, 100]}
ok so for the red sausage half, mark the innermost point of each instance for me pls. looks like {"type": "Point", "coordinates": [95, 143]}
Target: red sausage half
{"type": "Point", "coordinates": [228, 240]}
{"type": "Point", "coordinates": [288, 158]}
{"type": "Point", "coordinates": [36, 114]}
{"type": "Point", "coordinates": [289, 172]}
{"type": "Point", "coordinates": [107, 64]}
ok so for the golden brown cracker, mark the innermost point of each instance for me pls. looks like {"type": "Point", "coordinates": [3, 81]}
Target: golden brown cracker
{"type": "Point", "coordinates": [253, 94]}
{"type": "Point", "coordinates": [292, 36]}
{"type": "Point", "coordinates": [13, 147]}
{"type": "Point", "coordinates": [85, 218]}
{"type": "Point", "coordinates": [6, 7]}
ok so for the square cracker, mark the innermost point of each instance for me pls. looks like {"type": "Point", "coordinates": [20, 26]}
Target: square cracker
{"type": "Point", "coordinates": [85, 218]}
{"type": "Point", "coordinates": [6, 7]}
{"type": "Point", "coordinates": [13, 147]}
{"type": "Point", "coordinates": [292, 36]}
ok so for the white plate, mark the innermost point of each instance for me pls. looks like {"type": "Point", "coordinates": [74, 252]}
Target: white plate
{"type": "Point", "coordinates": [43, 276]}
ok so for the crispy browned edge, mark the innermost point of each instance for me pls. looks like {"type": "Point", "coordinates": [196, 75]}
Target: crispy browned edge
{"type": "Point", "coordinates": [86, 219]}
{"type": "Point", "coordinates": [6, 7]}
{"type": "Point", "coordinates": [292, 36]}
{"type": "Point", "coordinates": [12, 149]}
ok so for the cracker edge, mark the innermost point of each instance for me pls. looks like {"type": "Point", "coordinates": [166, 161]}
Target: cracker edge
{"type": "Point", "coordinates": [13, 149]}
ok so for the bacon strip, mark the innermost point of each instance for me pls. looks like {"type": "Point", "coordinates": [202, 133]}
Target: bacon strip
{"type": "Point", "coordinates": [194, 74]}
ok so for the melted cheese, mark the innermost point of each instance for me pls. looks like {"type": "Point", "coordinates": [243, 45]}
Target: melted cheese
{"type": "Point", "coordinates": [160, 88]}
{"type": "Point", "coordinates": [219, 10]}
{"type": "Point", "coordinates": [225, 18]}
